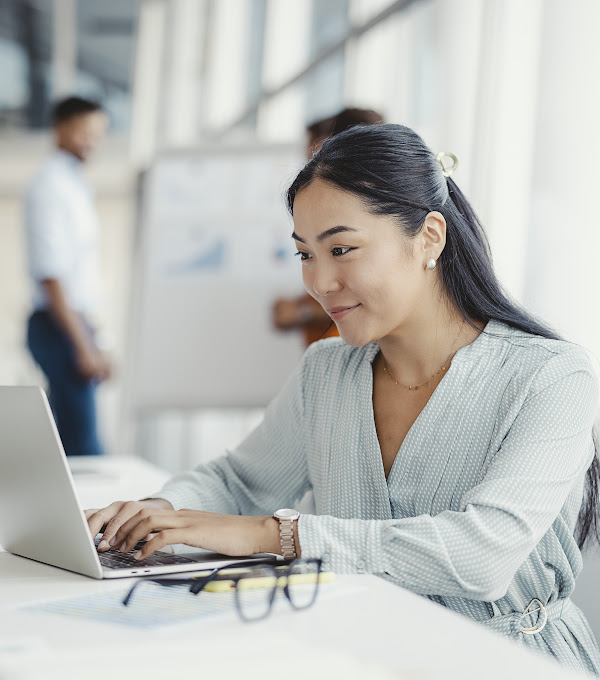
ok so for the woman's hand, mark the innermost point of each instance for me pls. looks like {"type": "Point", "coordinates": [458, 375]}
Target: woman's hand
{"type": "Point", "coordinates": [227, 534]}
{"type": "Point", "coordinates": [116, 514]}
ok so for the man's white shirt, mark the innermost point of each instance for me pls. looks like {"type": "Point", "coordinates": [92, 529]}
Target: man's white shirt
{"type": "Point", "coordinates": [62, 233]}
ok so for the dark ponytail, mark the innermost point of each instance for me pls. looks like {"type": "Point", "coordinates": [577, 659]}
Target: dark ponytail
{"type": "Point", "coordinates": [467, 272]}
{"type": "Point", "coordinates": [392, 170]}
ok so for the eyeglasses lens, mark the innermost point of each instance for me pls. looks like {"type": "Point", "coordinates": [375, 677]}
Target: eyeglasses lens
{"type": "Point", "coordinates": [303, 583]}
{"type": "Point", "coordinates": [255, 593]}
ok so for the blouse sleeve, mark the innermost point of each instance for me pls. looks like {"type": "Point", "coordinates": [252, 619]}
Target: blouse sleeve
{"type": "Point", "coordinates": [268, 470]}
{"type": "Point", "coordinates": [475, 552]}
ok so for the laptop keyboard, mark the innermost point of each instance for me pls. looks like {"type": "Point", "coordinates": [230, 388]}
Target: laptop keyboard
{"type": "Point", "coordinates": [113, 559]}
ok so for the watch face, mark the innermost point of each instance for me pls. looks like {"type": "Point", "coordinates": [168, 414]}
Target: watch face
{"type": "Point", "coordinates": [286, 513]}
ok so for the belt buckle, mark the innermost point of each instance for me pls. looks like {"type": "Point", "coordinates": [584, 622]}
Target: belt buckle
{"type": "Point", "coordinates": [533, 630]}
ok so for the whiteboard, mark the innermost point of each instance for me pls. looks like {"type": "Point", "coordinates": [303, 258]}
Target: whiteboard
{"type": "Point", "coordinates": [214, 251]}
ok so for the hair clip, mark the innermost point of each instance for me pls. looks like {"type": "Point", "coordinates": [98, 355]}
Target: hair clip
{"type": "Point", "coordinates": [447, 170]}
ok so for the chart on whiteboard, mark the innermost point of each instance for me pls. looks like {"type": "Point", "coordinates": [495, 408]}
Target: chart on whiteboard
{"type": "Point", "coordinates": [215, 253]}
{"type": "Point", "coordinates": [250, 254]}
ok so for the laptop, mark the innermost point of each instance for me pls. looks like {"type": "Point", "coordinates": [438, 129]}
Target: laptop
{"type": "Point", "coordinates": [40, 515]}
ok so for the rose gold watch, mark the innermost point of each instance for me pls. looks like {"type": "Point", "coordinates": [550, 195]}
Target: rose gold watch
{"type": "Point", "coordinates": [286, 518]}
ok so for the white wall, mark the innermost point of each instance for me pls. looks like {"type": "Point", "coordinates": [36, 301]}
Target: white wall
{"type": "Point", "coordinates": [562, 281]}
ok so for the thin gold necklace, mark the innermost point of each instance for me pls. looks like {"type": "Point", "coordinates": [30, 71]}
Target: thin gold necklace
{"type": "Point", "coordinates": [440, 370]}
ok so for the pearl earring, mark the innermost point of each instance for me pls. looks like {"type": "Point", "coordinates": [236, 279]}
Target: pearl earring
{"type": "Point", "coordinates": [431, 264]}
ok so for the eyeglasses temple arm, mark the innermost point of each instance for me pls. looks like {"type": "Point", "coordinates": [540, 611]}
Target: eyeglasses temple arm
{"type": "Point", "coordinates": [160, 581]}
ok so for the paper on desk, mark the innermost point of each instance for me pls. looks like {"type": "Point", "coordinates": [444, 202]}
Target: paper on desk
{"type": "Point", "coordinates": [152, 605]}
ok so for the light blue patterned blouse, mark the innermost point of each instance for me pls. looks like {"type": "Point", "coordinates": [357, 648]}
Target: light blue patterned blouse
{"type": "Point", "coordinates": [480, 505]}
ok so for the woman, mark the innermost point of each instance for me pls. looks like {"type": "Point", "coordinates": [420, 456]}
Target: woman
{"type": "Point", "coordinates": [446, 438]}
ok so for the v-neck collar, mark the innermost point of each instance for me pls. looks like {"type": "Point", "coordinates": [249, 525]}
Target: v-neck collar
{"type": "Point", "coordinates": [454, 380]}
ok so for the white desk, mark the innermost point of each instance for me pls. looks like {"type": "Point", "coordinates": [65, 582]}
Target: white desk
{"type": "Point", "coordinates": [379, 632]}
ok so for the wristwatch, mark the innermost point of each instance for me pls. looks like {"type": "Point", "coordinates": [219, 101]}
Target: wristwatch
{"type": "Point", "coordinates": [286, 518]}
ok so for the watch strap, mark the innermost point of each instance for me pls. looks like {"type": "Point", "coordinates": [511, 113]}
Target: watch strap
{"type": "Point", "coordinates": [286, 537]}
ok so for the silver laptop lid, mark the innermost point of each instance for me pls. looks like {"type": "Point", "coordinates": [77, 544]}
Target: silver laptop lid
{"type": "Point", "coordinates": [40, 516]}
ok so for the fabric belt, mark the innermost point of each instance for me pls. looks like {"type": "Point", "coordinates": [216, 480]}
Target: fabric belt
{"type": "Point", "coordinates": [531, 620]}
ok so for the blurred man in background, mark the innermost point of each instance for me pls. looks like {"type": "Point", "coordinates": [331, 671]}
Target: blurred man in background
{"type": "Point", "coordinates": [62, 246]}
{"type": "Point", "coordinates": [304, 313]}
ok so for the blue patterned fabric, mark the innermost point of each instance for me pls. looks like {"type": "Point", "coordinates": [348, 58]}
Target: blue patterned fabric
{"type": "Point", "coordinates": [480, 505]}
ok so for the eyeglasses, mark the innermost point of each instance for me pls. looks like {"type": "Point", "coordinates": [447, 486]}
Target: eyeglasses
{"type": "Point", "coordinates": [255, 585]}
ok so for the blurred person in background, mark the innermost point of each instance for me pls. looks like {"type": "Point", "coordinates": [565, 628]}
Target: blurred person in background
{"type": "Point", "coordinates": [62, 235]}
{"type": "Point", "coordinates": [304, 313]}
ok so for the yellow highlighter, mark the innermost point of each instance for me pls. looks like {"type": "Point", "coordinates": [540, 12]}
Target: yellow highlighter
{"type": "Point", "coordinates": [223, 584]}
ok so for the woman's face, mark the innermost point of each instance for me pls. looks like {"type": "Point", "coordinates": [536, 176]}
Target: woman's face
{"type": "Point", "coordinates": [364, 272]}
